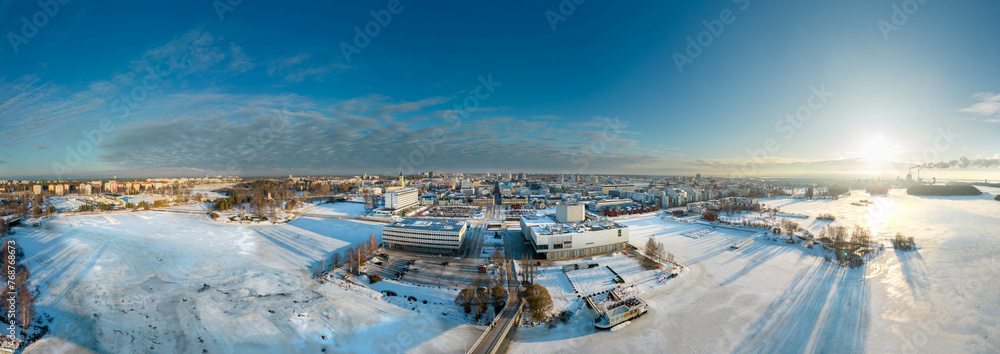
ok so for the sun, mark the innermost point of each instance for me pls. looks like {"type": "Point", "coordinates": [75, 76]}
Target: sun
{"type": "Point", "coordinates": [877, 149]}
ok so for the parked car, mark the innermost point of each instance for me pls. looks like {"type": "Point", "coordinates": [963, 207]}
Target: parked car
{"type": "Point", "coordinates": [445, 264]}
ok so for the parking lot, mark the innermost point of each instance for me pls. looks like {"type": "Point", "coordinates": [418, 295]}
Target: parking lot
{"type": "Point", "coordinates": [428, 270]}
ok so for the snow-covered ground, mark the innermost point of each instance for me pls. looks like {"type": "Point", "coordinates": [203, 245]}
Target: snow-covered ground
{"type": "Point", "coordinates": [196, 206]}
{"type": "Point", "coordinates": [338, 209]}
{"type": "Point", "coordinates": [179, 283]}
{"type": "Point", "coordinates": [64, 203]}
{"type": "Point", "coordinates": [773, 297]}
{"type": "Point", "coordinates": [207, 192]}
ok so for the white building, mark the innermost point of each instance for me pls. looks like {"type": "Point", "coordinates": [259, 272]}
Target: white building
{"type": "Point", "coordinates": [401, 198]}
{"type": "Point", "coordinates": [555, 239]}
{"type": "Point", "coordinates": [425, 235]}
{"type": "Point", "coordinates": [569, 212]}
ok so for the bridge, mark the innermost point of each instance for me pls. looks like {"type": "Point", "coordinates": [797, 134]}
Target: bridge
{"type": "Point", "coordinates": [501, 328]}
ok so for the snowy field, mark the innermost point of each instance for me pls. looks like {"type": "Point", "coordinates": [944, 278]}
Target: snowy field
{"type": "Point", "coordinates": [771, 297]}
{"type": "Point", "coordinates": [196, 207]}
{"type": "Point", "coordinates": [207, 192]}
{"type": "Point", "coordinates": [159, 282]}
{"type": "Point", "coordinates": [338, 209]}
{"type": "Point", "coordinates": [64, 203]}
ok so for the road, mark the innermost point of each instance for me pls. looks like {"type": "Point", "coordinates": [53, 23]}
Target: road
{"type": "Point", "coordinates": [494, 336]}
{"type": "Point", "coordinates": [474, 237]}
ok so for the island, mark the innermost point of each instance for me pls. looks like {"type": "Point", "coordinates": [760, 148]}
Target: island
{"type": "Point", "coordinates": [946, 190]}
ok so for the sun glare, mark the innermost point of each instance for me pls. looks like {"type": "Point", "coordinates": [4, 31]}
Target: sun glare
{"type": "Point", "coordinates": [877, 149]}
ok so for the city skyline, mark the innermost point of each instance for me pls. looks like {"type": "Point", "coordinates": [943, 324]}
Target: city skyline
{"type": "Point", "coordinates": [551, 87]}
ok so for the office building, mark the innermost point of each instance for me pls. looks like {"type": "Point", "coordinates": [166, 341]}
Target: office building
{"type": "Point", "coordinates": [401, 198]}
{"type": "Point", "coordinates": [425, 235]}
{"type": "Point", "coordinates": [555, 239]}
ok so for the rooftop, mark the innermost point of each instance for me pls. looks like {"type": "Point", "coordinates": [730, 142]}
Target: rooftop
{"type": "Point", "coordinates": [428, 224]}
{"type": "Point", "coordinates": [548, 224]}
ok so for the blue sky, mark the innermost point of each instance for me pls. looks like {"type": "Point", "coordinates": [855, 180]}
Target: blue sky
{"type": "Point", "coordinates": [266, 89]}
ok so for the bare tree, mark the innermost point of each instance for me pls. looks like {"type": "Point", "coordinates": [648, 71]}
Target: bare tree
{"type": "Point", "coordinates": [349, 257]}
{"type": "Point", "coordinates": [335, 260]}
{"type": "Point", "coordinates": [465, 299]}
{"type": "Point", "coordinates": [482, 301]}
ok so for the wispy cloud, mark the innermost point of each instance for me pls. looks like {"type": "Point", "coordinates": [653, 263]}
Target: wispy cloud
{"type": "Point", "coordinates": [293, 69]}
{"type": "Point", "coordinates": [240, 62]}
{"type": "Point", "coordinates": [988, 107]}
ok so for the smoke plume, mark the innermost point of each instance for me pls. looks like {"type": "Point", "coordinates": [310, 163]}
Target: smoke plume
{"type": "Point", "coordinates": [965, 162]}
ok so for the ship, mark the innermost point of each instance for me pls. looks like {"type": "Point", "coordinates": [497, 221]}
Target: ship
{"type": "Point", "coordinates": [620, 312]}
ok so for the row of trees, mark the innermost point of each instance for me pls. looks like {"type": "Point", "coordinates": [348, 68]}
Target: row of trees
{"type": "Point", "coordinates": [655, 250]}
{"type": "Point", "coordinates": [22, 312]}
{"type": "Point", "coordinates": [476, 301]}
{"type": "Point", "coordinates": [261, 198]}
{"type": "Point", "coordinates": [788, 227]}
{"type": "Point", "coordinates": [612, 212]}
{"type": "Point", "coordinates": [354, 258]}
{"type": "Point", "coordinates": [848, 247]}
{"type": "Point", "coordinates": [904, 243]}
{"type": "Point", "coordinates": [840, 237]}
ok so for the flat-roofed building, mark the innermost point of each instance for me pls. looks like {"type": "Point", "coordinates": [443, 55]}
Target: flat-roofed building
{"type": "Point", "coordinates": [425, 235]}
{"type": "Point", "coordinates": [401, 198]}
{"type": "Point", "coordinates": [599, 205]}
{"type": "Point", "coordinates": [610, 187]}
{"type": "Point", "coordinates": [37, 189]}
{"type": "Point", "coordinates": [553, 239]}
{"type": "Point", "coordinates": [569, 212]}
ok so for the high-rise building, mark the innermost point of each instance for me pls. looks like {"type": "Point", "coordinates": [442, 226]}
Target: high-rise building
{"type": "Point", "coordinates": [37, 189]}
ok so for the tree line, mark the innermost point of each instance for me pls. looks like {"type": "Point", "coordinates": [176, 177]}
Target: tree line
{"type": "Point", "coordinates": [353, 258]}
